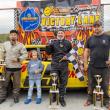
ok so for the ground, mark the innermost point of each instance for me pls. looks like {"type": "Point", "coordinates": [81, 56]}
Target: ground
{"type": "Point", "coordinates": [74, 99]}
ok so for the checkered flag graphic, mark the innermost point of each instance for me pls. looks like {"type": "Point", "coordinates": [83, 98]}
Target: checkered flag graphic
{"type": "Point", "coordinates": [37, 42]}
{"type": "Point", "coordinates": [73, 57]}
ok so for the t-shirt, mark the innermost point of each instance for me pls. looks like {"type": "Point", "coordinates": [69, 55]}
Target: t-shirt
{"type": "Point", "coordinates": [99, 50]}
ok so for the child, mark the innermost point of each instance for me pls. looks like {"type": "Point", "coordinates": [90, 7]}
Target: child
{"type": "Point", "coordinates": [34, 69]}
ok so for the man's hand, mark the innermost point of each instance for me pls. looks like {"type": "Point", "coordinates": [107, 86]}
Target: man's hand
{"type": "Point", "coordinates": [14, 60]}
{"type": "Point", "coordinates": [85, 66]}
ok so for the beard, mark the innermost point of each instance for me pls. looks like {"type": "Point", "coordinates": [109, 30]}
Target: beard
{"type": "Point", "coordinates": [98, 33]}
{"type": "Point", "coordinates": [13, 41]}
{"type": "Point", "coordinates": [60, 37]}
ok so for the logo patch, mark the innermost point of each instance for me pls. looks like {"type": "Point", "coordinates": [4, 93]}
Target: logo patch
{"type": "Point", "coordinates": [103, 41]}
{"type": "Point", "coordinates": [29, 19]}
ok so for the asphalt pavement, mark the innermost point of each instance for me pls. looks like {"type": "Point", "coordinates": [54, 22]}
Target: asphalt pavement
{"type": "Point", "coordinates": [74, 98]}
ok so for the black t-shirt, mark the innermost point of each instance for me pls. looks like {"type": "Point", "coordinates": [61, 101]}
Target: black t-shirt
{"type": "Point", "coordinates": [99, 50]}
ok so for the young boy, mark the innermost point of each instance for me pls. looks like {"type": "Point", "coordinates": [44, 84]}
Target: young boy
{"type": "Point", "coordinates": [34, 69]}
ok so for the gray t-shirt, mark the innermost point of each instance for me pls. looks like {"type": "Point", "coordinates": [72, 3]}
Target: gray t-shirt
{"type": "Point", "coordinates": [13, 52]}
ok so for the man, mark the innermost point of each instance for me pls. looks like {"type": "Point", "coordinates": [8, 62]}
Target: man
{"type": "Point", "coordinates": [58, 49]}
{"type": "Point", "coordinates": [15, 52]}
{"type": "Point", "coordinates": [97, 48]}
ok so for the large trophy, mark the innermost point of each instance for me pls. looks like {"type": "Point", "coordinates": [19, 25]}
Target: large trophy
{"type": "Point", "coordinates": [54, 91]}
{"type": "Point", "coordinates": [98, 92]}
{"type": "Point", "coordinates": [2, 63]}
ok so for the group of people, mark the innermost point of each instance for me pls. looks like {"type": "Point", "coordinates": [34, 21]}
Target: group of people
{"type": "Point", "coordinates": [96, 48]}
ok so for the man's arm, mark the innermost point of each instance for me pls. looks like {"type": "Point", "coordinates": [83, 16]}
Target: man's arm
{"type": "Point", "coordinates": [108, 62]}
{"type": "Point", "coordinates": [50, 48]}
{"type": "Point", "coordinates": [23, 53]}
{"type": "Point", "coordinates": [86, 56]}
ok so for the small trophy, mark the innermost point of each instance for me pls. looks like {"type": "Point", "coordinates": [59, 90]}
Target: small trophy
{"type": "Point", "coordinates": [2, 64]}
{"type": "Point", "coordinates": [2, 78]}
{"type": "Point", "coordinates": [54, 90]}
{"type": "Point", "coordinates": [98, 92]}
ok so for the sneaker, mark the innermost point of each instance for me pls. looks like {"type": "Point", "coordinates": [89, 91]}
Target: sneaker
{"type": "Point", "coordinates": [38, 100]}
{"type": "Point", "coordinates": [62, 101]}
{"type": "Point", "coordinates": [27, 101]}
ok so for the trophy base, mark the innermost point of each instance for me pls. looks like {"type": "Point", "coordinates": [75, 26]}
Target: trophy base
{"type": "Point", "coordinates": [54, 91]}
{"type": "Point", "coordinates": [98, 108]}
{"type": "Point", "coordinates": [2, 78]}
{"type": "Point", "coordinates": [98, 97]}
{"type": "Point", "coordinates": [54, 107]}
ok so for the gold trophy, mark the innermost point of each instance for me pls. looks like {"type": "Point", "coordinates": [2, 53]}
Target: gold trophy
{"type": "Point", "coordinates": [54, 90]}
{"type": "Point", "coordinates": [2, 63]}
{"type": "Point", "coordinates": [98, 92]}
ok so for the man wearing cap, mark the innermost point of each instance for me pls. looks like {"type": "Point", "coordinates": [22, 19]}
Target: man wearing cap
{"type": "Point", "coordinates": [15, 52]}
{"type": "Point", "coordinates": [97, 48]}
{"type": "Point", "coordinates": [58, 49]}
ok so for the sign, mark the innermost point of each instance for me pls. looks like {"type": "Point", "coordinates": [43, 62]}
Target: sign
{"type": "Point", "coordinates": [29, 19]}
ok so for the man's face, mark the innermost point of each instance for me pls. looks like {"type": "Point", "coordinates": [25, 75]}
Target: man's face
{"type": "Point", "coordinates": [60, 35]}
{"type": "Point", "coordinates": [13, 37]}
{"type": "Point", "coordinates": [97, 29]}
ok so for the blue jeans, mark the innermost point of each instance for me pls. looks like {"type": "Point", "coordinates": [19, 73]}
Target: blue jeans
{"type": "Point", "coordinates": [31, 86]}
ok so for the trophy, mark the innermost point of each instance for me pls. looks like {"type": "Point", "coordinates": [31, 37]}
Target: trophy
{"type": "Point", "coordinates": [2, 63]}
{"type": "Point", "coordinates": [2, 78]}
{"type": "Point", "coordinates": [54, 90]}
{"type": "Point", "coordinates": [98, 92]}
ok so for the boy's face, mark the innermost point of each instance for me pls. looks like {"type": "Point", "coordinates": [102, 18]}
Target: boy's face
{"type": "Point", "coordinates": [34, 55]}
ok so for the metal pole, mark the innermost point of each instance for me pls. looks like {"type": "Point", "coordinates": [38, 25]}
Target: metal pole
{"type": "Point", "coordinates": [8, 8]}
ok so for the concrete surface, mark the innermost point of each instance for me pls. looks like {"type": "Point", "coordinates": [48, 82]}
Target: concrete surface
{"type": "Point", "coordinates": [74, 99]}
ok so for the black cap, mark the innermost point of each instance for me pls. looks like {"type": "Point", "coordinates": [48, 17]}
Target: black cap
{"type": "Point", "coordinates": [97, 23]}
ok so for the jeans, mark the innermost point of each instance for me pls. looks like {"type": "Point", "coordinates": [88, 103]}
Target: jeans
{"type": "Point", "coordinates": [31, 86]}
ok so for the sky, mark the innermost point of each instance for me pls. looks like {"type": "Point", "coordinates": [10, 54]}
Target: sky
{"type": "Point", "coordinates": [7, 17]}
